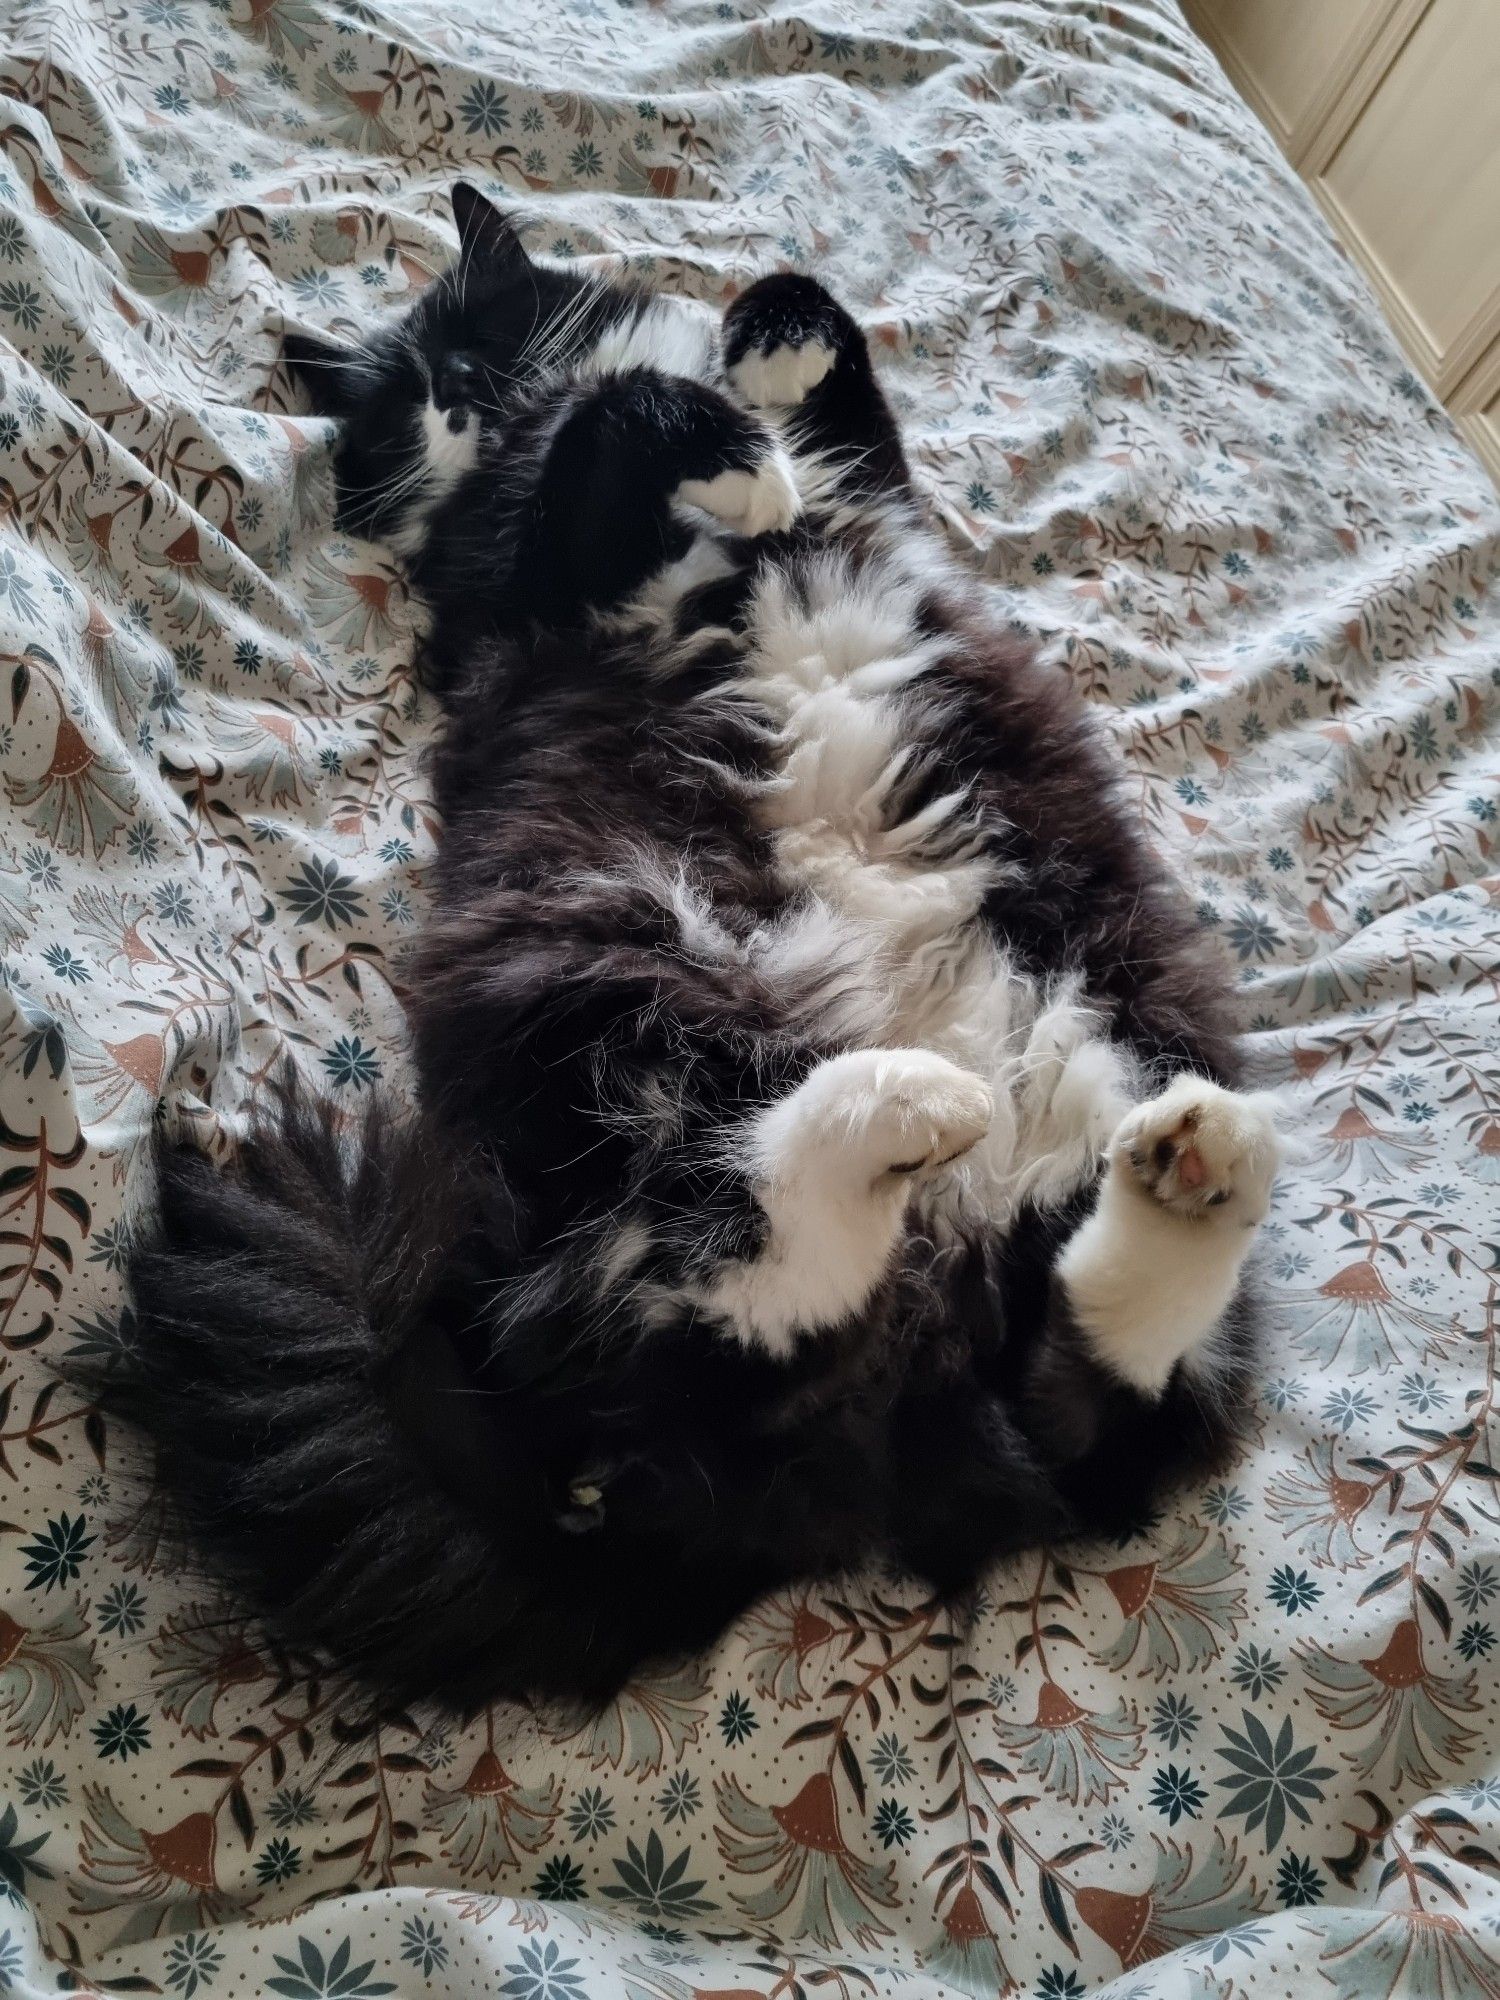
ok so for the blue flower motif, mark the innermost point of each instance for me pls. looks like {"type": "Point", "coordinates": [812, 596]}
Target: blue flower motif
{"type": "Point", "coordinates": [40, 1784]}
{"type": "Point", "coordinates": [484, 109]}
{"type": "Point", "coordinates": [1115, 1832]}
{"type": "Point", "coordinates": [1477, 1584]}
{"type": "Point", "coordinates": [1293, 1589]}
{"type": "Point", "coordinates": [54, 1557]}
{"type": "Point", "coordinates": [1175, 1793]}
{"type": "Point", "coordinates": [1058, 1984]}
{"type": "Point", "coordinates": [350, 1064]}
{"type": "Point", "coordinates": [173, 904]}
{"type": "Point", "coordinates": [308, 1977]}
{"type": "Point", "coordinates": [1298, 1882]}
{"type": "Point", "coordinates": [1253, 935]}
{"type": "Point", "coordinates": [890, 1762]}
{"type": "Point", "coordinates": [893, 1823]}
{"type": "Point", "coordinates": [279, 1862]}
{"type": "Point", "coordinates": [66, 964]}
{"type": "Point", "coordinates": [1269, 1779]}
{"type": "Point", "coordinates": [1174, 1719]}
{"type": "Point", "coordinates": [314, 287]}
{"type": "Point", "coordinates": [681, 1798]}
{"type": "Point", "coordinates": [24, 304]}
{"type": "Point", "coordinates": [542, 1973]}
{"type": "Point", "coordinates": [191, 1963]}
{"type": "Point", "coordinates": [737, 1719]}
{"type": "Point", "coordinates": [1421, 1393]}
{"type": "Point", "coordinates": [122, 1609]}
{"type": "Point", "coordinates": [561, 1881]}
{"type": "Point", "coordinates": [122, 1732]}
{"type": "Point", "coordinates": [1225, 1504]}
{"type": "Point", "coordinates": [591, 1815]}
{"type": "Point", "coordinates": [423, 1946]}
{"type": "Point", "coordinates": [1347, 1407]}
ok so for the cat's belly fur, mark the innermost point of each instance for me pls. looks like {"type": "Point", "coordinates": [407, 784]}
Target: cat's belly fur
{"type": "Point", "coordinates": [838, 663]}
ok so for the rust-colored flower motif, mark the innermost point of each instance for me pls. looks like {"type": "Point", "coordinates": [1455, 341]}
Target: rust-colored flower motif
{"type": "Point", "coordinates": [1180, 1608]}
{"type": "Point", "coordinates": [648, 1722]}
{"type": "Point", "coordinates": [17, 904]}
{"type": "Point", "coordinates": [1191, 1897]}
{"type": "Point", "coordinates": [1356, 1321]}
{"type": "Point", "coordinates": [117, 1083]}
{"type": "Point", "coordinates": [167, 271]}
{"type": "Point", "coordinates": [1388, 1954]}
{"type": "Point", "coordinates": [110, 919]}
{"type": "Point", "coordinates": [782, 1635]}
{"type": "Point", "coordinates": [1402, 1713]}
{"type": "Point", "coordinates": [82, 799]}
{"type": "Point", "coordinates": [1360, 1152]}
{"type": "Point", "coordinates": [171, 1874]}
{"type": "Point", "coordinates": [822, 1889]}
{"type": "Point", "coordinates": [120, 666]}
{"type": "Point", "coordinates": [1320, 1508]}
{"type": "Point", "coordinates": [262, 749]}
{"type": "Point", "coordinates": [1079, 1754]}
{"type": "Point", "coordinates": [44, 1673]}
{"type": "Point", "coordinates": [135, 1538]}
{"type": "Point", "coordinates": [353, 608]}
{"type": "Point", "coordinates": [967, 1957]}
{"type": "Point", "coordinates": [489, 1822]}
{"type": "Point", "coordinates": [196, 566]}
{"type": "Point", "coordinates": [1485, 1165]}
{"type": "Point", "coordinates": [202, 1657]}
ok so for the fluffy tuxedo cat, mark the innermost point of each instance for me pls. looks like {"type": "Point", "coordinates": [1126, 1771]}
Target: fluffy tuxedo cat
{"type": "Point", "coordinates": [829, 1147]}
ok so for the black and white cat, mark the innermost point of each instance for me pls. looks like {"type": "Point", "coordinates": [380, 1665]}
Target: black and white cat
{"type": "Point", "coordinates": [829, 1147]}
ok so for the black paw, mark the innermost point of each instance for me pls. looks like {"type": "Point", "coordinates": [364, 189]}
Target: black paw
{"type": "Point", "coordinates": [783, 337]}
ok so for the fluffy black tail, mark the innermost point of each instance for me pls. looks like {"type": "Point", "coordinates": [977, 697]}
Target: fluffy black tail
{"type": "Point", "coordinates": [294, 1353]}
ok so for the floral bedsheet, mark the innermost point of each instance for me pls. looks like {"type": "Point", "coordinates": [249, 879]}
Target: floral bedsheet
{"type": "Point", "coordinates": [1249, 1750]}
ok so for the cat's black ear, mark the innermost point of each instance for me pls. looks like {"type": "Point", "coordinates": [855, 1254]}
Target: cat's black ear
{"type": "Point", "coordinates": [483, 231]}
{"type": "Point", "coordinates": [326, 370]}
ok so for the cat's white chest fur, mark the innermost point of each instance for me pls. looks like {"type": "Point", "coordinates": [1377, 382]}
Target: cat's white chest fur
{"type": "Point", "coordinates": [839, 664]}
{"type": "Point", "coordinates": [449, 449]}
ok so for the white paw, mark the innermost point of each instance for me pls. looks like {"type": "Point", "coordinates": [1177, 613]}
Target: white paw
{"type": "Point", "coordinates": [764, 501]}
{"type": "Point", "coordinates": [781, 379]}
{"type": "Point", "coordinates": [909, 1111]}
{"type": "Point", "coordinates": [1199, 1151]}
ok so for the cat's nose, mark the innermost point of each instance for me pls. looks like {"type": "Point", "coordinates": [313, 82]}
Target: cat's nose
{"type": "Point", "coordinates": [454, 381]}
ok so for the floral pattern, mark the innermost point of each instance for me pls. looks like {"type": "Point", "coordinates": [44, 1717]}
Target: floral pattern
{"type": "Point", "coordinates": [1249, 1748]}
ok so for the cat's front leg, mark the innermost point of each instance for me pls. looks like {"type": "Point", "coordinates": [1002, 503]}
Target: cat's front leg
{"type": "Point", "coordinates": [1151, 1271]}
{"type": "Point", "coordinates": [832, 1166]}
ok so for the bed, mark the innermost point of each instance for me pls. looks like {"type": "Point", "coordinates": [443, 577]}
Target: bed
{"type": "Point", "coordinates": [1248, 1750]}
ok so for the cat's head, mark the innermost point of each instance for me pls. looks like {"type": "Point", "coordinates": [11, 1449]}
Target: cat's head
{"type": "Point", "coordinates": [412, 399]}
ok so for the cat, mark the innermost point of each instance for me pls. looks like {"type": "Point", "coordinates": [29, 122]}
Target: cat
{"type": "Point", "coordinates": [830, 1148]}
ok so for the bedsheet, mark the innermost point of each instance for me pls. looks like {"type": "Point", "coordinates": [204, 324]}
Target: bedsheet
{"type": "Point", "coordinates": [1249, 1749]}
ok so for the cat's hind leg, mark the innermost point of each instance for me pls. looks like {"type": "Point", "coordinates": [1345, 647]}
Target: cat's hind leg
{"type": "Point", "coordinates": [832, 1165]}
{"type": "Point", "coordinates": [1150, 1272]}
